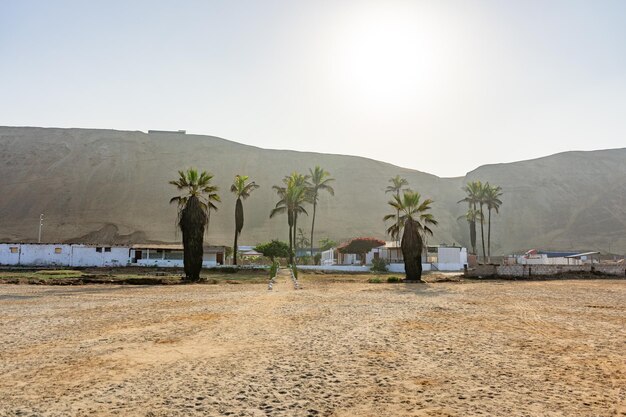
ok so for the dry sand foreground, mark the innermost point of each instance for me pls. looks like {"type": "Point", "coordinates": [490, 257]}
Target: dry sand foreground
{"type": "Point", "coordinates": [553, 348]}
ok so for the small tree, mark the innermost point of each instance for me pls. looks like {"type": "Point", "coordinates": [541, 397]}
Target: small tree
{"type": "Point", "coordinates": [326, 244]}
{"type": "Point", "coordinates": [274, 249]}
{"type": "Point", "coordinates": [360, 246]}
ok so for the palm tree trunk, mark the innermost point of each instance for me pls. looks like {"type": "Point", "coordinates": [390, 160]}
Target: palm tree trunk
{"type": "Point", "coordinates": [412, 246]}
{"type": "Point", "coordinates": [472, 226]}
{"type": "Point", "coordinates": [290, 246]}
{"type": "Point", "coordinates": [398, 222]}
{"type": "Point", "coordinates": [295, 238]}
{"type": "Point", "coordinates": [235, 249]}
{"type": "Point", "coordinates": [489, 237]}
{"type": "Point", "coordinates": [193, 220]}
{"type": "Point", "coordinates": [313, 226]}
{"type": "Point", "coordinates": [482, 232]}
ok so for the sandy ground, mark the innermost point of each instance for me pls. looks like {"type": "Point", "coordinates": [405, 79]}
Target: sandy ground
{"type": "Point", "coordinates": [554, 348]}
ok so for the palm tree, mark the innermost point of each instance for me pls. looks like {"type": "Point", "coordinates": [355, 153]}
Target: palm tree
{"type": "Point", "coordinates": [397, 184]}
{"type": "Point", "coordinates": [292, 196]}
{"type": "Point", "coordinates": [471, 216]}
{"type": "Point", "coordinates": [416, 219]}
{"type": "Point", "coordinates": [492, 200]}
{"type": "Point", "coordinates": [320, 180]}
{"type": "Point", "coordinates": [242, 190]}
{"type": "Point", "coordinates": [194, 205]}
{"type": "Point", "coordinates": [473, 190]}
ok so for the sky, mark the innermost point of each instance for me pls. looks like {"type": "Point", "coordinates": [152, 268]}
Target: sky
{"type": "Point", "coordinates": [438, 86]}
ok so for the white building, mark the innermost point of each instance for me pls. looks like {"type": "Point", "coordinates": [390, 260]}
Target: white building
{"type": "Point", "coordinates": [440, 257]}
{"type": "Point", "coordinates": [83, 255]}
{"type": "Point", "coordinates": [535, 257]}
{"type": "Point", "coordinates": [172, 255]}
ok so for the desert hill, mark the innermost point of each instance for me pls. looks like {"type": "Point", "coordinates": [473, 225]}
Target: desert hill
{"type": "Point", "coordinates": [112, 186]}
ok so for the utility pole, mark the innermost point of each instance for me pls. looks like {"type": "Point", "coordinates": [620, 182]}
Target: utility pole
{"type": "Point", "coordinates": [40, 226]}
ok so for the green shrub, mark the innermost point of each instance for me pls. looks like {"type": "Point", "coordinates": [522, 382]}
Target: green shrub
{"type": "Point", "coordinates": [317, 258]}
{"type": "Point", "coordinates": [394, 279]}
{"type": "Point", "coordinates": [379, 265]}
{"type": "Point", "coordinates": [375, 280]}
{"type": "Point", "coordinates": [273, 269]}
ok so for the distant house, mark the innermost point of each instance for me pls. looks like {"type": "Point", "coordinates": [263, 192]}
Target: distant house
{"type": "Point", "coordinates": [62, 254]}
{"type": "Point", "coordinates": [158, 254]}
{"type": "Point", "coordinates": [539, 257]}
{"type": "Point", "coordinates": [439, 257]}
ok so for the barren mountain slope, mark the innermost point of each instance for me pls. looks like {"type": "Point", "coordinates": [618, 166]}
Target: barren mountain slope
{"type": "Point", "coordinates": [86, 180]}
{"type": "Point", "coordinates": [111, 186]}
{"type": "Point", "coordinates": [571, 200]}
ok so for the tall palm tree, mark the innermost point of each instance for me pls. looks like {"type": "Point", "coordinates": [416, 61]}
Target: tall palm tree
{"type": "Point", "coordinates": [194, 205]}
{"type": "Point", "coordinates": [471, 216]}
{"type": "Point", "coordinates": [492, 201]}
{"type": "Point", "coordinates": [417, 221]}
{"type": "Point", "coordinates": [242, 190]}
{"type": "Point", "coordinates": [397, 184]}
{"type": "Point", "coordinates": [320, 180]}
{"type": "Point", "coordinates": [292, 196]}
{"type": "Point", "coordinates": [473, 190]}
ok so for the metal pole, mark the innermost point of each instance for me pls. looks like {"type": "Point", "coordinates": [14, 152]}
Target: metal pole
{"type": "Point", "coordinates": [40, 226]}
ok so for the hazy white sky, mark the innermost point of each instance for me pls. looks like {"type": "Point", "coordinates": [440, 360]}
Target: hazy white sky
{"type": "Point", "coordinates": [439, 86]}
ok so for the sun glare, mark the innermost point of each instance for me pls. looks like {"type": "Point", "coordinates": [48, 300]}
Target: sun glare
{"type": "Point", "coordinates": [386, 54]}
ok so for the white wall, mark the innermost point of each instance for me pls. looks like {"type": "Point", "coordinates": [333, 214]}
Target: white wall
{"type": "Point", "coordinates": [45, 254]}
{"type": "Point", "coordinates": [328, 257]}
{"type": "Point", "coordinates": [6, 256]}
{"type": "Point", "coordinates": [83, 255]}
{"type": "Point", "coordinates": [335, 268]}
{"type": "Point", "coordinates": [544, 260]}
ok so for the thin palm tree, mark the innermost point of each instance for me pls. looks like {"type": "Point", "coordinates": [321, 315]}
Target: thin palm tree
{"type": "Point", "coordinates": [473, 190]}
{"type": "Point", "coordinates": [242, 191]}
{"type": "Point", "coordinates": [471, 216]}
{"type": "Point", "coordinates": [416, 219]}
{"type": "Point", "coordinates": [292, 196]}
{"type": "Point", "coordinates": [397, 184]}
{"type": "Point", "coordinates": [194, 205]}
{"type": "Point", "coordinates": [320, 181]}
{"type": "Point", "coordinates": [492, 201]}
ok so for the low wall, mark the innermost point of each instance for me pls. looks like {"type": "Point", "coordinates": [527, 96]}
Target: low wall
{"type": "Point", "coordinates": [335, 268]}
{"type": "Point", "coordinates": [542, 270]}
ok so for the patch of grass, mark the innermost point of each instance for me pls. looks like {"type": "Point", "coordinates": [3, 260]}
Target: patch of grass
{"type": "Point", "coordinates": [376, 280]}
{"type": "Point", "coordinates": [58, 273]}
{"type": "Point", "coordinates": [394, 280]}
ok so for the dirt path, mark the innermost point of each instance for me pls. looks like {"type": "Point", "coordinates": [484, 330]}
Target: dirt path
{"type": "Point", "coordinates": [518, 348]}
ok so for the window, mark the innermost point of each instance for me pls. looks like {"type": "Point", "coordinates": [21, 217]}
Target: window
{"type": "Point", "coordinates": [98, 249]}
{"type": "Point", "coordinates": [58, 250]}
{"type": "Point", "coordinates": [107, 249]}
{"type": "Point", "coordinates": [14, 249]}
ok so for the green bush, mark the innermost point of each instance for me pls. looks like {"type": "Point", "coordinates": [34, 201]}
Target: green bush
{"type": "Point", "coordinates": [273, 269]}
{"type": "Point", "coordinates": [375, 280]}
{"type": "Point", "coordinates": [379, 265]}
{"type": "Point", "coordinates": [394, 279]}
{"type": "Point", "coordinates": [273, 249]}
{"type": "Point", "coordinates": [317, 258]}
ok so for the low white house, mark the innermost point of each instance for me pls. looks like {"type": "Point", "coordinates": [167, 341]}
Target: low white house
{"type": "Point", "coordinates": [83, 255]}
{"type": "Point", "coordinates": [172, 255]}
{"type": "Point", "coordinates": [62, 254]}
{"type": "Point", "coordinates": [440, 257]}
